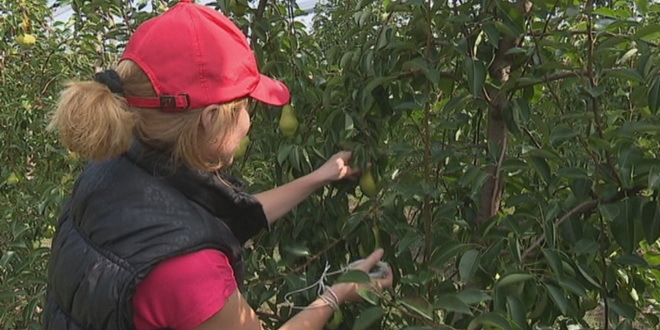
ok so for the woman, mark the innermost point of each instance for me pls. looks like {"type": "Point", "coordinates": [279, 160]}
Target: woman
{"type": "Point", "coordinates": [152, 235]}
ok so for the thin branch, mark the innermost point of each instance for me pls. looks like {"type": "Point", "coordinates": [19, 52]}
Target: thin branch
{"type": "Point", "coordinates": [600, 34]}
{"type": "Point", "coordinates": [258, 14]}
{"type": "Point", "coordinates": [301, 267]}
{"type": "Point", "coordinates": [375, 206]}
{"type": "Point", "coordinates": [582, 208]}
{"type": "Point", "coordinates": [603, 284]}
{"type": "Point", "coordinates": [574, 73]}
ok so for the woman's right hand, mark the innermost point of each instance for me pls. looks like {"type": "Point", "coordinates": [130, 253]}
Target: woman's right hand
{"type": "Point", "coordinates": [349, 291]}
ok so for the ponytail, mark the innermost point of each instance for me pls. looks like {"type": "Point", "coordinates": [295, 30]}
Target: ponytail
{"type": "Point", "coordinates": [97, 123]}
{"type": "Point", "coordinates": [93, 121]}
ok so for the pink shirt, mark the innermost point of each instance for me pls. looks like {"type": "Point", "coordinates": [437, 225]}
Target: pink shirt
{"type": "Point", "coordinates": [183, 292]}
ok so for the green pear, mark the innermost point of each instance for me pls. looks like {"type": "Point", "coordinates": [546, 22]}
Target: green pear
{"type": "Point", "coordinates": [26, 41]}
{"type": "Point", "coordinates": [12, 179]}
{"type": "Point", "coordinates": [242, 147]}
{"type": "Point", "coordinates": [368, 184]}
{"type": "Point", "coordinates": [335, 322]}
{"type": "Point", "coordinates": [288, 121]}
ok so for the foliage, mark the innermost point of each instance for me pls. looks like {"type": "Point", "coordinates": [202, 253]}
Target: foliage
{"type": "Point", "coordinates": [515, 145]}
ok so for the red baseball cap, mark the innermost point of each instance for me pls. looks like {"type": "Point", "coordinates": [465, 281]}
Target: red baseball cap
{"type": "Point", "coordinates": [195, 57]}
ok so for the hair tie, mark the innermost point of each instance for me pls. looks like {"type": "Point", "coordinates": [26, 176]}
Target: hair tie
{"type": "Point", "coordinates": [111, 79]}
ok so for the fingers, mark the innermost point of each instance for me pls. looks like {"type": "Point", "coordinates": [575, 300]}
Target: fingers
{"type": "Point", "coordinates": [343, 159]}
{"type": "Point", "coordinates": [386, 281]}
{"type": "Point", "coordinates": [345, 155]}
{"type": "Point", "coordinates": [370, 261]}
{"type": "Point", "coordinates": [352, 173]}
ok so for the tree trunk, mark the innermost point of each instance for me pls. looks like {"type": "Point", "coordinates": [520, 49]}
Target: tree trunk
{"type": "Point", "coordinates": [491, 191]}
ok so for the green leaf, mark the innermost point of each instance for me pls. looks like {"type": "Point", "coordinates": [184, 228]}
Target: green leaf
{"type": "Point", "coordinates": [609, 211]}
{"type": "Point", "coordinates": [562, 133]}
{"type": "Point", "coordinates": [297, 250]}
{"type": "Point", "coordinates": [354, 276]}
{"type": "Point", "coordinates": [581, 187]}
{"type": "Point", "coordinates": [516, 50]}
{"type": "Point", "coordinates": [493, 34]}
{"type": "Point", "coordinates": [284, 153]}
{"type": "Point", "coordinates": [522, 105]}
{"type": "Point", "coordinates": [456, 102]}
{"type": "Point", "coordinates": [446, 252]}
{"type": "Point", "coordinates": [513, 278]}
{"type": "Point", "coordinates": [468, 265]}
{"type": "Point", "coordinates": [554, 261]}
{"type": "Point", "coordinates": [510, 113]}
{"type": "Point", "coordinates": [585, 246]}
{"type": "Point", "coordinates": [371, 85]}
{"type": "Point", "coordinates": [607, 12]}
{"type": "Point", "coordinates": [626, 75]}
{"type": "Point", "coordinates": [583, 270]}
{"type": "Point", "coordinates": [573, 286]}
{"type": "Point", "coordinates": [368, 317]}
{"type": "Point", "coordinates": [516, 311]}
{"type": "Point", "coordinates": [452, 303]}
{"type": "Point", "coordinates": [476, 76]}
{"type": "Point", "coordinates": [622, 309]}
{"type": "Point", "coordinates": [631, 259]}
{"type": "Point", "coordinates": [368, 295]}
{"type": "Point", "coordinates": [541, 167]}
{"type": "Point", "coordinates": [473, 296]}
{"type": "Point", "coordinates": [647, 30]}
{"type": "Point", "coordinates": [623, 226]}
{"type": "Point", "coordinates": [431, 74]}
{"type": "Point", "coordinates": [346, 59]}
{"type": "Point", "coordinates": [559, 298]}
{"type": "Point", "coordinates": [651, 221]}
{"type": "Point", "coordinates": [490, 319]}
{"type": "Point", "coordinates": [626, 56]}
{"type": "Point", "coordinates": [654, 95]}
{"type": "Point", "coordinates": [419, 305]}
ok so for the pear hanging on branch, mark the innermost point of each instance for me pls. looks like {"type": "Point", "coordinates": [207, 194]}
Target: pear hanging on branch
{"type": "Point", "coordinates": [368, 184]}
{"type": "Point", "coordinates": [288, 121]}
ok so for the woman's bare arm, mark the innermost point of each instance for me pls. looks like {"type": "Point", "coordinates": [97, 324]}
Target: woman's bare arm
{"type": "Point", "coordinates": [279, 201]}
{"type": "Point", "coordinates": [238, 315]}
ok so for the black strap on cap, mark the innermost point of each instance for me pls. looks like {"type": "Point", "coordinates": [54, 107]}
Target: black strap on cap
{"type": "Point", "coordinates": [111, 79]}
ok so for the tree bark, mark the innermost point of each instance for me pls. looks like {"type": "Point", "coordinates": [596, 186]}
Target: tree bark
{"type": "Point", "coordinates": [497, 133]}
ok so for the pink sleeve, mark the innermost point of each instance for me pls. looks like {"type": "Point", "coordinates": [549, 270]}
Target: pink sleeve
{"type": "Point", "coordinates": [183, 292]}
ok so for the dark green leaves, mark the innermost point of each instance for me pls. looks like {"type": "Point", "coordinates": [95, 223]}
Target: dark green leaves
{"type": "Point", "coordinates": [468, 265]}
{"type": "Point", "coordinates": [367, 317]}
{"type": "Point", "coordinates": [418, 305]}
{"type": "Point", "coordinates": [476, 76]}
{"type": "Point", "coordinates": [654, 95]}
{"type": "Point", "coordinates": [562, 133]}
{"type": "Point", "coordinates": [624, 216]}
{"type": "Point", "coordinates": [354, 276]}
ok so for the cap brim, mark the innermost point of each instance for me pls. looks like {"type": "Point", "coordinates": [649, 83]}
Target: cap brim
{"type": "Point", "coordinates": [271, 91]}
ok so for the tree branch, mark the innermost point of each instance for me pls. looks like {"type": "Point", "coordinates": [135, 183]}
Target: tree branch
{"type": "Point", "coordinates": [574, 73]}
{"type": "Point", "coordinates": [258, 14]}
{"type": "Point", "coordinates": [497, 133]}
{"type": "Point", "coordinates": [583, 208]}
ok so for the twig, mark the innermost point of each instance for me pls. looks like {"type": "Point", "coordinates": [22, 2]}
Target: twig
{"type": "Point", "coordinates": [258, 14]}
{"type": "Point", "coordinates": [603, 283]}
{"type": "Point", "coordinates": [372, 209]}
{"type": "Point", "coordinates": [582, 208]}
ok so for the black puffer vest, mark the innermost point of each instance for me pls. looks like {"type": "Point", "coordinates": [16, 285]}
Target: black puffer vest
{"type": "Point", "coordinates": [127, 214]}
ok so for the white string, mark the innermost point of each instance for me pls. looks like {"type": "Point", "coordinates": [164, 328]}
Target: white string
{"type": "Point", "coordinates": [322, 287]}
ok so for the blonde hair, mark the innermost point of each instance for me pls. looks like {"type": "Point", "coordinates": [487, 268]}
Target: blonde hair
{"type": "Point", "coordinates": [98, 124]}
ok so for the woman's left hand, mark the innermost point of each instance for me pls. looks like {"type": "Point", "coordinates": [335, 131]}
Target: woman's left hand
{"type": "Point", "coordinates": [337, 168]}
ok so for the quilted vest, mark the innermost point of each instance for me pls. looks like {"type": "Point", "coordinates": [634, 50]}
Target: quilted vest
{"type": "Point", "coordinates": [127, 214]}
